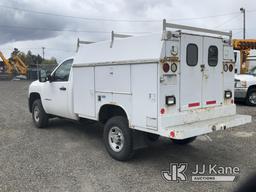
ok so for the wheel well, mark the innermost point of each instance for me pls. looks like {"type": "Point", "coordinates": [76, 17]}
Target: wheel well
{"type": "Point", "coordinates": [109, 111]}
{"type": "Point", "coordinates": [32, 98]}
{"type": "Point", "coordinates": [251, 87]}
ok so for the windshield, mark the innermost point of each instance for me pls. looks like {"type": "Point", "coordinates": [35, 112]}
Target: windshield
{"type": "Point", "coordinates": [253, 71]}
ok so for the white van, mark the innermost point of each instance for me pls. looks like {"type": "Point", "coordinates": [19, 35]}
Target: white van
{"type": "Point", "coordinates": [177, 85]}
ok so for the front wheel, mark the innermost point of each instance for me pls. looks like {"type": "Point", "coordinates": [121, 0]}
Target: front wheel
{"type": "Point", "coordinates": [39, 116]}
{"type": "Point", "coordinates": [251, 97]}
{"type": "Point", "coordinates": [118, 138]}
{"type": "Point", "coordinates": [183, 141]}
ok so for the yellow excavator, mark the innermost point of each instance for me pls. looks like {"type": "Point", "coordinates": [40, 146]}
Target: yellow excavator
{"type": "Point", "coordinates": [14, 64]}
{"type": "Point", "coordinates": [244, 46]}
{"type": "Point", "coordinates": [9, 66]}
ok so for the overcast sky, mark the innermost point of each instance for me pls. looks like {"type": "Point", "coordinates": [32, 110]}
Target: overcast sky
{"type": "Point", "coordinates": [26, 25]}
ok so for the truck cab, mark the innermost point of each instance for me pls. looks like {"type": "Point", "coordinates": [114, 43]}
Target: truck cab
{"type": "Point", "coordinates": [55, 93]}
{"type": "Point", "coordinates": [177, 84]}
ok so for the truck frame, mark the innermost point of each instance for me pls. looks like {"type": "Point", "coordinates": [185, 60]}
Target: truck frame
{"type": "Point", "coordinates": [173, 84]}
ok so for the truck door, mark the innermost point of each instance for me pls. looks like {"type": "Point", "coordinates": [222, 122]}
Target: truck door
{"type": "Point", "coordinates": [191, 72]}
{"type": "Point", "coordinates": [56, 94]}
{"type": "Point", "coordinates": [212, 94]}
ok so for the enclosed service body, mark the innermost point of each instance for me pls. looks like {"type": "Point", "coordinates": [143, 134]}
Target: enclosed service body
{"type": "Point", "coordinates": [172, 84]}
{"type": "Point", "coordinates": [176, 84]}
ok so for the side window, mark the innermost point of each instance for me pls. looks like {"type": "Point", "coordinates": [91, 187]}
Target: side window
{"type": "Point", "coordinates": [62, 73]}
{"type": "Point", "coordinates": [213, 56]}
{"type": "Point", "coordinates": [192, 54]}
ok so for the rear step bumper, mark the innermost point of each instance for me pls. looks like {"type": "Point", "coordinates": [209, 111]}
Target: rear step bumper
{"type": "Point", "coordinates": [204, 127]}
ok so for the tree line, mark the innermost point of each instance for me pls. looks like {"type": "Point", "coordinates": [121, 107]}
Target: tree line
{"type": "Point", "coordinates": [31, 59]}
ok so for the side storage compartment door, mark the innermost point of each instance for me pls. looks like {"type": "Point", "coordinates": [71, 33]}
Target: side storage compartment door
{"type": "Point", "coordinates": [144, 95]}
{"type": "Point", "coordinates": [84, 91]}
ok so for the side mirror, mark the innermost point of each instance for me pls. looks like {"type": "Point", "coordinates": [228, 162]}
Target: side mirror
{"type": "Point", "coordinates": [42, 76]}
{"type": "Point", "coordinates": [50, 78]}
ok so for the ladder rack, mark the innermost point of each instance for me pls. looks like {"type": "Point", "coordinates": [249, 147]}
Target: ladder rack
{"type": "Point", "coordinates": [189, 28]}
{"type": "Point", "coordinates": [82, 42]}
{"type": "Point", "coordinates": [113, 35]}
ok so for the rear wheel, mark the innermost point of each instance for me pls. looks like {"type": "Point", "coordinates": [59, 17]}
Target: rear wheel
{"type": "Point", "coordinates": [118, 138]}
{"type": "Point", "coordinates": [251, 97]}
{"type": "Point", "coordinates": [39, 116]}
{"type": "Point", "coordinates": [183, 141]}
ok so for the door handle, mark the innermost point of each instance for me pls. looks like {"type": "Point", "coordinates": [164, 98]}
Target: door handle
{"type": "Point", "coordinates": [202, 67]}
{"type": "Point", "coordinates": [63, 89]}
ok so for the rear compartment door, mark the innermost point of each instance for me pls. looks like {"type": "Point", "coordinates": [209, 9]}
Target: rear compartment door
{"type": "Point", "coordinates": [212, 94]}
{"type": "Point", "coordinates": [191, 72]}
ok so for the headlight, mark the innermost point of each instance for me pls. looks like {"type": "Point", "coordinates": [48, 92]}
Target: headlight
{"type": "Point", "coordinates": [170, 100]}
{"type": "Point", "coordinates": [241, 84]}
{"type": "Point", "coordinates": [228, 94]}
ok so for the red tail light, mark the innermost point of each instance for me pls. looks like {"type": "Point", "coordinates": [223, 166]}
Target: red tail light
{"type": "Point", "coordinates": [166, 67]}
{"type": "Point", "coordinates": [172, 134]}
{"type": "Point", "coordinates": [230, 68]}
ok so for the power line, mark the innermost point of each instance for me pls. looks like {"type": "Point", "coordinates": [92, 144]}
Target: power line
{"type": "Point", "coordinates": [76, 17]}
{"type": "Point", "coordinates": [39, 48]}
{"type": "Point", "coordinates": [227, 21]}
{"type": "Point", "coordinates": [205, 17]}
{"type": "Point", "coordinates": [69, 30]}
{"type": "Point", "coordinates": [84, 31]}
{"type": "Point", "coordinates": [111, 19]}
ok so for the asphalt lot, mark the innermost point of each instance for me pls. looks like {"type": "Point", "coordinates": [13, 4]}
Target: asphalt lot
{"type": "Point", "coordinates": [71, 157]}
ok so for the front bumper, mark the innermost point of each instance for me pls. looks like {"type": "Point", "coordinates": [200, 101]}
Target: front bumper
{"type": "Point", "coordinates": [240, 93]}
{"type": "Point", "coordinates": [204, 127]}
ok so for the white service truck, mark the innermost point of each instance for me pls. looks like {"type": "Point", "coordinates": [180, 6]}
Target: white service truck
{"type": "Point", "coordinates": [245, 87]}
{"type": "Point", "coordinates": [171, 84]}
{"type": "Point", "coordinates": [245, 84]}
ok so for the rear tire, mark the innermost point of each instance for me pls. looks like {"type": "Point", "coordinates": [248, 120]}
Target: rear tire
{"type": "Point", "coordinates": [40, 118]}
{"type": "Point", "coordinates": [183, 141]}
{"type": "Point", "coordinates": [117, 138]}
{"type": "Point", "coordinates": [251, 97]}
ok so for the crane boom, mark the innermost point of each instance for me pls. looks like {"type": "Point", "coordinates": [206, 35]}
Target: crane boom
{"type": "Point", "coordinates": [7, 63]}
{"type": "Point", "coordinates": [20, 65]}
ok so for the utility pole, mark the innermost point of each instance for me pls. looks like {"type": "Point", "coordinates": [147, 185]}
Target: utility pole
{"type": "Point", "coordinates": [43, 48]}
{"type": "Point", "coordinates": [37, 67]}
{"type": "Point", "coordinates": [243, 12]}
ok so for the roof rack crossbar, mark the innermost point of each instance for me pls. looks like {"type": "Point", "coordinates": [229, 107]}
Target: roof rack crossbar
{"type": "Point", "coordinates": [113, 35]}
{"type": "Point", "coordinates": [184, 27]}
{"type": "Point", "coordinates": [82, 42]}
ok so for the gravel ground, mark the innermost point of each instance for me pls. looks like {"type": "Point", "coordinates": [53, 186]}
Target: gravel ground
{"type": "Point", "coordinates": [70, 157]}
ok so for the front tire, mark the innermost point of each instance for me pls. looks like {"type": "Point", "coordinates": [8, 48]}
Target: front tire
{"type": "Point", "coordinates": [251, 97]}
{"type": "Point", "coordinates": [183, 141]}
{"type": "Point", "coordinates": [40, 118]}
{"type": "Point", "coordinates": [117, 138]}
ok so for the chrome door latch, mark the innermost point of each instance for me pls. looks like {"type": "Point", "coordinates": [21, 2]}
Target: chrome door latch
{"type": "Point", "coordinates": [202, 67]}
